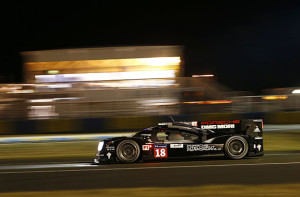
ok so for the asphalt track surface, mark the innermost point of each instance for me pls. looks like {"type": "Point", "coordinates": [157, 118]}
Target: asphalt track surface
{"type": "Point", "coordinates": [80, 173]}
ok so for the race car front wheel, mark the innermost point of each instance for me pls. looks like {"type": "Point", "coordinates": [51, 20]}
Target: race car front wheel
{"type": "Point", "coordinates": [236, 147]}
{"type": "Point", "coordinates": [128, 151]}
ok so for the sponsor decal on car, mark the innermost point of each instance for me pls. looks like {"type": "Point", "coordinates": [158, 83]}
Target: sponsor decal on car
{"type": "Point", "coordinates": [176, 145]}
{"type": "Point", "coordinates": [256, 130]}
{"type": "Point", "coordinates": [146, 147]}
{"type": "Point", "coordinates": [202, 147]}
{"type": "Point", "coordinates": [160, 146]}
{"type": "Point", "coordinates": [110, 148]}
{"type": "Point", "coordinates": [108, 155]}
{"type": "Point", "coordinates": [259, 147]}
{"type": "Point", "coordinates": [220, 126]}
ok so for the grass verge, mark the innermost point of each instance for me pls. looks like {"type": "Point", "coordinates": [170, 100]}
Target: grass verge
{"type": "Point", "coordinates": [282, 141]}
{"type": "Point", "coordinates": [211, 190]}
{"type": "Point", "coordinates": [75, 149]}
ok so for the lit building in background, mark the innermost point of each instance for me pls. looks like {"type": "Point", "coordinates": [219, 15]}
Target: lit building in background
{"type": "Point", "coordinates": [101, 82]}
{"type": "Point", "coordinates": [134, 66]}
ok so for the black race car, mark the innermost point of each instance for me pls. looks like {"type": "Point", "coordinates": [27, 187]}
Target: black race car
{"type": "Point", "coordinates": [234, 138]}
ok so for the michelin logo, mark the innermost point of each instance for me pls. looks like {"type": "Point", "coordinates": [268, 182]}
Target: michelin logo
{"type": "Point", "coordinates": [176, 145]}
{"type": "Point", "coordinates": [202, 147]}
{"type": "Point", "coordinates": [220, 126]}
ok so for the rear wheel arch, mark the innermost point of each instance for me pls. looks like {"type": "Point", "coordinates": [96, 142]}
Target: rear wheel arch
{"type": "Point", "coordinates": [236, 147]}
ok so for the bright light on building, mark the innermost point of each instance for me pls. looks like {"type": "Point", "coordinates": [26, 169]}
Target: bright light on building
{"type": "Point", "coordinates": [135, 83]}
{"type": "Point", "coordinates": [161, 61]}
{"type": "Point", "coordinates": [202, 75]}
{"type": "Point", "coordinates": [208, 102]}
{"type": "Point", "coordinates": [41, 100]}
{"type": "Point", "coordinates": [163, 74]}
{"type": "Point", "coordinates": [275, 97]}
{"type": "Point", "coordinates": [296, 91]}
{"type": "Point", "coordinates": [63, 85]}
{"type": "Point", "coordinates": [52, 72]}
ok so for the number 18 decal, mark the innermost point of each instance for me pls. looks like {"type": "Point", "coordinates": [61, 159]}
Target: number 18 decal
{"type": "Point", "coordinates": [160, 151]}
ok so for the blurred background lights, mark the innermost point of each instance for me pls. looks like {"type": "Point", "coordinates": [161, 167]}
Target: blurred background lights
{"type": "Point", "coordinates": [275, 97]}
{"type": "Point", "coordinates": [106, 76]}
{"type": "Point", "coordinates": [161, 61]}
{"type": "Point", "coordinates": [296, 91]}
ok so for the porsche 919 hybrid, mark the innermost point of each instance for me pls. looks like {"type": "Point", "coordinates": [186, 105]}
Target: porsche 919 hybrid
{"type": "Point", "coordinates": [235, 139]}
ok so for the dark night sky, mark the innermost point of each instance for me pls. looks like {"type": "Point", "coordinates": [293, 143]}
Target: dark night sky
{"type": "Point", "coordinates": [247, 45]}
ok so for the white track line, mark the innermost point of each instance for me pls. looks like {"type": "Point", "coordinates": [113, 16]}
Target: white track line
{"type": "Point", "coordinates": [149, 168]}
{"type": "Point", "coordinates": [63, 137]}
{"type": "Point", "coordinates": [280, 154]}
{"type": "Point", "coordinates": [37, 166]}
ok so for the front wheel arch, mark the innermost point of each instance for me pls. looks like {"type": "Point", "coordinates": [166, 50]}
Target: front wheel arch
{"type": "Point", "coordinates": [132, 154]}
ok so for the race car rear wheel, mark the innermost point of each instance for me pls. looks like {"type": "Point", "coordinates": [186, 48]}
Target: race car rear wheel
{"type": "Point", "coordinates": [128, 151]}
{"type": "Point", "coordinates": [236, 147]}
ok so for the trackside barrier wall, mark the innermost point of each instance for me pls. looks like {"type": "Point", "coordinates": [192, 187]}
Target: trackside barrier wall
{"type": "Point", "coordinates": [59, 125]}
{"type": "Point", "coordinates": [282, 118]}
{"type": "Point", "coordinates": [93, 125]}
{"type": "Point", "coordinates": [7, 127]}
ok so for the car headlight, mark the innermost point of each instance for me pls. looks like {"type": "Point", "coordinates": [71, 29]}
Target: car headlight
{"type": "Point", "coordinates": [100, 145]}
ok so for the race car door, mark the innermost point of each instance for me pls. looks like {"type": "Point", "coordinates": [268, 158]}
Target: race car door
{"type": "Point", "coordinates": [174, 143]}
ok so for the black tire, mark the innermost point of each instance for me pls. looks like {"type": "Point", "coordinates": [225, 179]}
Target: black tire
{"type": "Point", "coordinates": [236, 147]}
{"type": "Point", "coordinates": [128, 151]}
